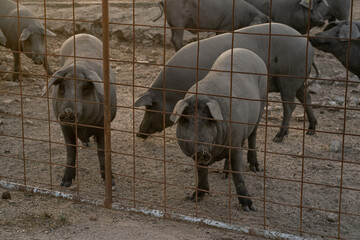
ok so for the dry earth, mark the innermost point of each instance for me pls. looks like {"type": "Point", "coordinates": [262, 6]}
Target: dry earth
{"type": "Point", "coordinates": [299, 191]}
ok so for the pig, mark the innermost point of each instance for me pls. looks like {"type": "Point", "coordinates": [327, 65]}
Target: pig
{"type": "Point", "coordinates": [335, 40]}
{"type": "Point", "coordinates": [335, 10]}
{"type": "Point", "coordinates": [294, 13]}
{"type": "Point", "coordinates": [86, 108]}
{"type": "Point", "coordinates": [214, 15]}
{"type": "Point", "coordinates": [203, 121]}
{"type": "Point", "coordinates": [30, 33]}
{"type": "Point", "coordinates": [287, 58]}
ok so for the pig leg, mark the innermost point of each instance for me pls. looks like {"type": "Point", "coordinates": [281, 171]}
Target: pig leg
{"type": "Point", "coordinates": [203, 184]}
{"type": "Point", "coordinates": [101, 154]}
{"type": "Point", "coordinates": [15, 75]}
{"type": "Point", "coordinates": [288, 108]}
{"type": "Point", "coordinates": [308, 109]}
{"type": "Point", "coordinates": [252, 155]}
{"type": "Point", "coordinates": [47, 68]}
{"type": "Point", "coordinates": [225, 173]}
{"type": "Point", "coordinates": [238, 180]}
{"type": "Point", "coordinates": [176, 38]}
{"type": "Point", "coordinates": [70, 171]}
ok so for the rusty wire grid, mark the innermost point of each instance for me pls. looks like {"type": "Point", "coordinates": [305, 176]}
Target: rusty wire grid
{"type": "Point", "coordinates": [303, 189]}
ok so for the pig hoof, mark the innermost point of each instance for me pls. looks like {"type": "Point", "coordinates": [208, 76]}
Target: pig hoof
{"type": "Point", "coordinates": [224, 175]}
{"type": "Point", "coordinates": [248, 206]}
{"type": "Point", "coordinates": [200, 196]}
{"type": "Point", "coordinates": [65, 184]}
{"type": "Point", "coordinates": [254, 168]}
{"type": "Point", "coordinates": [143, 136]}
{"type": "Point", "coordinates": [310, 132]}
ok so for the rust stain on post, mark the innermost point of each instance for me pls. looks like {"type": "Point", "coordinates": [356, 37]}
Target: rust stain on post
{"type": "Point", "coordinates": [107, 120]}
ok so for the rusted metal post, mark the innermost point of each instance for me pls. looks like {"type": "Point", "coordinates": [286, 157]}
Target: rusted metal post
{"type": "Point", "coordinates": [107, 120]}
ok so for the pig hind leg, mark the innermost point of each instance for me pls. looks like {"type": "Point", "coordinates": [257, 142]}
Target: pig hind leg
{"type": "Point", "coordinates": [70, 171]}
{"type": "Point", "coordinates": [288, 99]}
{"type": "Point", "coordinates": [203, 184]}
{"type": "Point", "coordinates": [300, 94]}
{"type": "Point", "coordinates": [252, 155]}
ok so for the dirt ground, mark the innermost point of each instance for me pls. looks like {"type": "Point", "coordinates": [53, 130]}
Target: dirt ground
{"type": "Point", "coordinates": [291, 192]}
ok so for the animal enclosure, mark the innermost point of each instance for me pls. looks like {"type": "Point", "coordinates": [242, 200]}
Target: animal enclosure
{"type": "Point", "coordinates": [307, 186]}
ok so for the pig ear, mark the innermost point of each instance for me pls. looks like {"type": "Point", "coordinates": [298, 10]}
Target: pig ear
{"type": "Point", "coordinates": [345, 32]}
{"type": "Point", "coordinates": [55, 79]}
{"type": "Point", "coordinates": [306, 3]}
{"type": "Point", "coordinates": [49, 33]}
{"type": "Point", "coordinates": [2, 38]}
{"type": "Point", "coordinates": [25, 34]}
{"type": "Point", "coordinates": [215, 110]}
{"type": "Point", "coordinates": [178, 110]}
{"type": "Point", "coordinates": [91, 75]}
{"type": "Point", "coordinates": [145, 99]}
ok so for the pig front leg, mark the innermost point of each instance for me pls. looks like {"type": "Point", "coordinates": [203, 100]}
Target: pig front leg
{"type": "Point", "coordinates": [177, 38]}
{"type": "Point", "coordinates": [70, 171]}
{"type": "Point", "coordinates": [16, 73]}
{"type": "Point", "coordinates": [288, 108]}
{"type": "Point", "coordinates": [239, 183]}
{"type": "Point", "coordinates": [47, 68]}
{"type": "Point", "coordinates": [225, 172]}
{"type": "Point", "coordinates": [99, 138]}
{"type": "Point", "coordinates": [203, 184]}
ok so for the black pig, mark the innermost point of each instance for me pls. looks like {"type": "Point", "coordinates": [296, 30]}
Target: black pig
{"type": "Point", "coordinates": [86, 108]}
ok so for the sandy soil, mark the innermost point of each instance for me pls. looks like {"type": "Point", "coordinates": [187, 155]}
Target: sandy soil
{"type": "Point", "coordinates": [300, 192]}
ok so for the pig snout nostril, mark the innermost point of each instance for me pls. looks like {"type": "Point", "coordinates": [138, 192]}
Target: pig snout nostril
{"type": "Point", "coordinates": [67, 116]}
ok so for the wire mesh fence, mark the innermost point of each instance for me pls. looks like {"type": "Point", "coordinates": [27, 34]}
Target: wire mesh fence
{"type": "Point", "coordinates": [306, 180]}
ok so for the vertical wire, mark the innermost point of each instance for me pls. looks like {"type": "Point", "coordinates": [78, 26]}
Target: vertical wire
{"type": "Point", "coordinates": [345, 114]}
{"type": "Point", "coordinates": [47, 99]}
{"type": "Point", "coordinates": [107, 109]}
{"type": "Point", "coordinates": [164, 114]}
{"type": "Point", "coordinates": [133, 77]}
{"type": "Point", "coordinates": [21, 92]}
{"type": "Point", "coordinates": [267, 113]}
{"type": "Point", "coordinates": [303, 130]}
{"type": "Point", "coordinates": [75, 105]}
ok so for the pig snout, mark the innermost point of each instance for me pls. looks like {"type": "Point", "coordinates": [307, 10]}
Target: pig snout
{"type": "Point", "coordinates": [67, 115]}
{"type": "Point", "coordinates": [203, 157]}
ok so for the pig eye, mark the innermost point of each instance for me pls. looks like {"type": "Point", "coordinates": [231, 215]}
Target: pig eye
{"type": "Point", "coordinates": [87, 88]}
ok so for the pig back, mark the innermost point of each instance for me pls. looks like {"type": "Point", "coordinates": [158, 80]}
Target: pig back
{"type": "Point", "coordinates": [252, 87]}
{"type": "Point", "coordinates": [86, 46]}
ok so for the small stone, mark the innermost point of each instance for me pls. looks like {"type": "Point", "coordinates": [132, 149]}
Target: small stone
{"type": "Point", "coordinates": [93, 218]}
{"type": "Point", "coordinates": [335, 146]}
{"type": "Point", "coordinates": [352, 105]}
{"type": "Point", "coordinates": [1, 122]}
{"type": "Point", "coordinates": [3, 68]}
{"type": "Point", "coordinates": [9, 58]}
{"type": "Point", "coordinates": [27, 100]}
{"type": "Point", "coordinates": [315, 88]}
{"type": "Point", "coordinates": [28, 121]}
{"type": "Point", "coordinates": [147, 41]}
{"type": "Point", "coordinates": [332, 103]}
{"type": "Point", "coordinates": [142, 59]}
{"type": "Point", "coordinates": [339, 99]}
{"type": "Point", "coordinates": [332, 217]}
{"type": "Point", "coordinates": [7, 101]}
{"type": "Point", "coordinates": [6, 195]}
{"type": "Point", "coordinates": [354, 99]}
{"type": "Point", "coordinates": [299, 117]}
